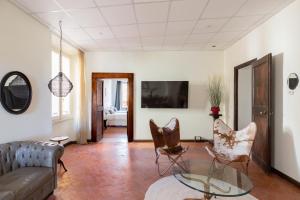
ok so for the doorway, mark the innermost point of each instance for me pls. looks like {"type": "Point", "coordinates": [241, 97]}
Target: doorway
{"type": "Point", "coordinates": [112, 106]}
{"type": "Point", "coordinates": [253, 102]}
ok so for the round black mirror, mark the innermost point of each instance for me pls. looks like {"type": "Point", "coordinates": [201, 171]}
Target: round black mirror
{"type": "Point", "coordinates": [15, 92]}
{"type": "Point", "coordinates": [293, 81]}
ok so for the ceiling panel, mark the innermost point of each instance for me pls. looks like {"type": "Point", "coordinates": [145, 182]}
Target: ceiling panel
{"type": "Point", "coordinates": [175, 40]}
{"type": "Point", "coordinates": [39, 5]}
{"type": "Point", "coordinates": [200, 38]}
{"type": "Point", "coordinates": [259, 7]}
{"type": "Point", "coordinates": [129, 41]}
{"type": "Point", "coordinates": [77, 34]}
{"type": "Point", "coordinates": [210, 25]}
{"type": "Point", "coordinates": [151, 30]}
{"type": "Point", "coordinates": [88, 17]}
{"type": "Point", "coordinates": [125, 31]}
{"type": "Point", "coordinates": [52, 18]}
{"type": "Point", "coordinates": [180, 28]}
{"type": "Point", "coordinates": [109, 44]}
{"type": "Point", "coordinates": [130, 44]}
{"type": "Point", "coordinates": [112, 2]}
{"type": "Point", "coordinates": [226, 36]}
{"type": "Point", "coordinates": [152, 12]}
{"type": "Point", "coordinates": [152, 41]}
{"type": "Point", "coordinates": [100, 33]}
{"type": "Point", "coordinates": [88, 45]}
{"type": "Point", "coordinates": [216, 46]}
{"type": "Point", "coordinates": [119, 15]}
{"type": "Point", "coordinates": [77, 4]}
{"type": "Point", "coordinates": [222, 8]}
{"type": "Point", "coordinates": [194, 46]}
{"type": "Point", "coordinates": [144, 1]}
{"type": "Point", "coordinates": [186, 9]}
{"type": "Point", "coordinates": [241, 23]}
{"type": "Point", "coordinates": [124, 25]}
{"type": "Point", "coordinates": [172, 47]}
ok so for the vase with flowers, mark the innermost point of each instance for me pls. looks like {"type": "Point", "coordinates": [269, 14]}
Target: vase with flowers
{"type": "Point", "coordinates": [215, 92]}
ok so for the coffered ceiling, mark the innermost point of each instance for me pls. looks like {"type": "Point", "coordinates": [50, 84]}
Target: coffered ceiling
{"type": "Point", "coordinates": [147, 25]}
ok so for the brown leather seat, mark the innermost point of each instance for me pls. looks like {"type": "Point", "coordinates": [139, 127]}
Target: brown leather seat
{"type": "Point", "coordinates": [167, 142]}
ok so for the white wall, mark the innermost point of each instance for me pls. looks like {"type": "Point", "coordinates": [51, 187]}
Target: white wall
{"type": "Point", "coordinates": [25, 46]}
{"type": "Point", "coordinates": [244, 97]}
{"type": "Point", "coordinates": [279, 36]}
{"type": "Point", "coordinates": [190, 66]}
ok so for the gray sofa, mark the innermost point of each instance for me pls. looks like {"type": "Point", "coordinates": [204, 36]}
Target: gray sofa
{"type": "Point", "coordinates": [28, 170]}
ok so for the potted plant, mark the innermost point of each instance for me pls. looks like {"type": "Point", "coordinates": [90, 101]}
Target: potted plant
{"type": "Point", "coordinates": [215, 92]}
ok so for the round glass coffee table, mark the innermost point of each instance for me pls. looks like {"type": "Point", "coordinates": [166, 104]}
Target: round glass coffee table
{"type": "Point", "coordinates": [212, 178]}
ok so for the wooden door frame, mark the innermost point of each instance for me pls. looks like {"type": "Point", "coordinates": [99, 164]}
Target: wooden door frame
{"type": "Point", "coordinates": [130, 77]}
{"type": "Point", "coordinates": [235, 99]}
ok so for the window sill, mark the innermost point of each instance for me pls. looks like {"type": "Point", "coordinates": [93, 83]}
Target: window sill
{"type": "Point", "coordinates": [57, 120]}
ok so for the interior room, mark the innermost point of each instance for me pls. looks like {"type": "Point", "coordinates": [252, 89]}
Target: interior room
{"type": "Point", "coordinates": [115, 102]}
{"type": "Point", "coordinates": [149, 99]}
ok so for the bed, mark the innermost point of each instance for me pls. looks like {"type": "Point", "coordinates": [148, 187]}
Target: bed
{"type": "Point", "coordinates": [118, 118]}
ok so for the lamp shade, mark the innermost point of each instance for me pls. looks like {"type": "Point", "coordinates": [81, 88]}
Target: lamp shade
{"type": "Point", "coordinates": [60, 85]}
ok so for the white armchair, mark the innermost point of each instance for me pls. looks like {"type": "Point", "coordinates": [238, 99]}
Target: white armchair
{"type": "Point", "coordinates": [232, 146]}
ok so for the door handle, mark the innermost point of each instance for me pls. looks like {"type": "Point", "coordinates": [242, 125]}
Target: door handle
{"type": "Point", "coordinates": [263, 112]}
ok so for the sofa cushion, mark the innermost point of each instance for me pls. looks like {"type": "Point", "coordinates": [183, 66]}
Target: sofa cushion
{"type": "Point", "coordinates": [23, 181]}
{"type": "Point", "coordinates": [6, 195]}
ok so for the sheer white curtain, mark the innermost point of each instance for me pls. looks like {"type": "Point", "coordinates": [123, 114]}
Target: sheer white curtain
{"type": "Point", "coordinates": [82, 112]}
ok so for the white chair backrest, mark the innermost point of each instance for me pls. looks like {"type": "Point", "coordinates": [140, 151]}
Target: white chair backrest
{"type": "Point", "coordinates": [233, 143]}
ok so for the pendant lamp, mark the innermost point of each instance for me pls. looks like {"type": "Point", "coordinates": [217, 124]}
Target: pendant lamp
{"type": "Point", "coordinates": [60, 85]}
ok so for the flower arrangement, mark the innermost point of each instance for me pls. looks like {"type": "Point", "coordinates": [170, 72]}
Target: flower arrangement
{"type": "Point", "coordinates": [215, 92]}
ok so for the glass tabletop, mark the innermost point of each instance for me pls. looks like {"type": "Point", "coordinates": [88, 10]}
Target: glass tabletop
{"type": "Point", "coordinates": [212, 178]}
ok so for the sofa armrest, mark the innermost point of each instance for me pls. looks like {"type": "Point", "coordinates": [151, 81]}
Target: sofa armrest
{"type": "Point", "coordinates": [39, 154]}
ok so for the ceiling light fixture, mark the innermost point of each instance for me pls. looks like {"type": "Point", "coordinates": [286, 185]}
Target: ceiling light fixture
{"type": "Point", "coordinates": [60, 85]}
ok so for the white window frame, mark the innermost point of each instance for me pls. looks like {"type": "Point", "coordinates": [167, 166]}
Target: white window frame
{"type": "Point", "coordinates": [62, 117]}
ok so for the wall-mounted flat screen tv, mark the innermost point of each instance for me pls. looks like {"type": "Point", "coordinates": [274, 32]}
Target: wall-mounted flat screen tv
{"type": "Point", "coordinates": [165, 94]}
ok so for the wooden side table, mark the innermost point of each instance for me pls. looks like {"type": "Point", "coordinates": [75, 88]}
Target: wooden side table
{"type": "Point", "coordinates": [59, 140]}
{"type": "Point", "coordinates": [215, 116]}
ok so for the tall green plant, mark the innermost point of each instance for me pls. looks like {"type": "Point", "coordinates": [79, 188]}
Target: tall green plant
{"type": "Point", "coordinates": [215, 91]}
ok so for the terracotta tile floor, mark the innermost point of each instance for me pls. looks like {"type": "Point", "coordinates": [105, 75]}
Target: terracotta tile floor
{"type": "Point", "coordinates": [113, 169]}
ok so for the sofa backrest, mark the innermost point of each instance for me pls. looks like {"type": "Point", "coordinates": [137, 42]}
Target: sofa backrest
{"type": "Point", "coordinates": [8, 161]}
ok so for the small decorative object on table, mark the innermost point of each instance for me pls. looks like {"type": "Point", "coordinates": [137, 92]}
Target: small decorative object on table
{"type": "Point", "coordinates": [215, 91]}
{"type": "Point", "coordinates": [59, 140]}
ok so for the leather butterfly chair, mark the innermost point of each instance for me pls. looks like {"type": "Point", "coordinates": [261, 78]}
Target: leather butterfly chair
{"type": "Point", "coordinates": [232, 146]}
{"type": "Point", "coordinates": [167, 142]}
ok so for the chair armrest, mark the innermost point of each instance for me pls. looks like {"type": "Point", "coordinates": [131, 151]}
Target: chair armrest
{"type": "Point", "coordinates": [39, 154]}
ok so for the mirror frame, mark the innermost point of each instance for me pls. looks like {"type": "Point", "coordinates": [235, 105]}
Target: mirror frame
{"type": "Point", "coordinates": [3, 81]}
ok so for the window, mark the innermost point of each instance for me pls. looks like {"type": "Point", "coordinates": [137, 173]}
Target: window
{"type": "Point", "coordinates": [61, 107]}
{"type": "Point", "coordinates": [124, 88]}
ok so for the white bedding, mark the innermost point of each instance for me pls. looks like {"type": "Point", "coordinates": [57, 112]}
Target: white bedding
{"type": "Point", "coordinates": [118, 118]}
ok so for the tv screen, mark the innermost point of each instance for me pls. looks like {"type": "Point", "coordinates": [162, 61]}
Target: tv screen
{"type": "Point", "coordinates": [165, 94]}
